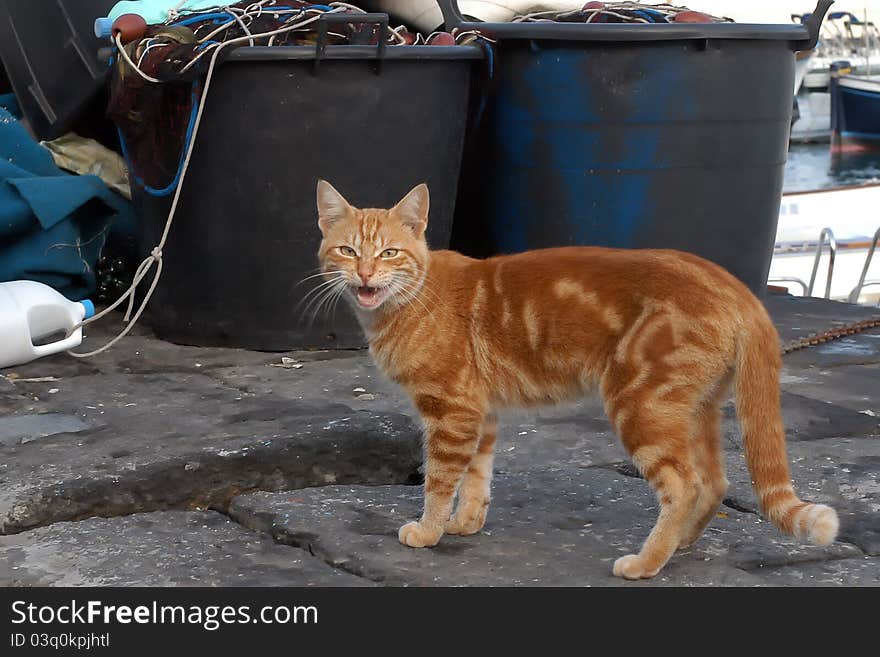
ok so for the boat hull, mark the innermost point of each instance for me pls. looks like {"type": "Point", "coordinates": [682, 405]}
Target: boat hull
{"type": "Point", "coordinates": [855, 114]}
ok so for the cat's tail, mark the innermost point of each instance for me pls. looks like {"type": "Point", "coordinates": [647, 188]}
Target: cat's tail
{"type": "Point", "coordinates": [757, 401]}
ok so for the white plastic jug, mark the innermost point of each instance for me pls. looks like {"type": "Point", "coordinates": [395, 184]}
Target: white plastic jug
{"type": "Point", "coordinates": [32, 313]}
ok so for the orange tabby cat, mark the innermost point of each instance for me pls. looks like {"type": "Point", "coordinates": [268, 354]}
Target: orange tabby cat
{"type": "Point", "coordinates": [662, 334]}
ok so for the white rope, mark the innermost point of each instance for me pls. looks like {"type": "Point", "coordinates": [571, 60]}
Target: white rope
{"type": "Point", "coordinates": [610, 9]}
{"type": "Point", "coordinates": [156, 253]}
{"type": "Point", "coordinates": [117, 37]}
{"type": "Point", "coordinates": [345, 5]}
{"type": "Point", "coordinates": [174, 12]}
{"type": "Point", "coordinates": [244, 27]}
{"type": "Point", "coordinates": [213, 47]}
{"type": "Point", "coordinates": [150, 45]}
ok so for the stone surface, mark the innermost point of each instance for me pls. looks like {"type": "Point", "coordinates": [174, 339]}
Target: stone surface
{"type": "Point", "coordinates": [847, 386]}
{"type": "Point", "coordinates": [147, 427]}
{"type": "Point", "coordinates": [546, 527]}
{"type": "Point", "coordinates": [20, 429]}
{"type": "Point", "coordinates": [857, 571]}
{"type": "Point", "coordinates": [174, 548]}
{"type": "Point", "coordinates": [116, 470]}
{"type": "Point", "coordinates": [840, 472]}
{"type": "Point", "coordinates": [154, 427]}
{"type": "Point", "coordinates": [798, 317]}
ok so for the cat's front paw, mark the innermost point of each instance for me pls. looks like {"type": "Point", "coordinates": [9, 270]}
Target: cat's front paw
{"type": "Point", "coordinates": [415, 534]}
{"type": "Point", "coordinates": [632, 566]}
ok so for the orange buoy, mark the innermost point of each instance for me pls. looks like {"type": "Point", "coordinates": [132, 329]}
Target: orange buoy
{"type": "Point", "coordinates": [129, 27]}
{"type": "Point", "coordinates": [692, 17]}
{"type": "Point", "coordinates": [442, 39]}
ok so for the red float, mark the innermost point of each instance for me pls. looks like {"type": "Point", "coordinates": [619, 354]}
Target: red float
{"type": "Point", "coordinates": [442, 39]}
{"type": "Point", "coordinates": [692, 17]}
{"type": "Point", "coordinates": [129, 27]}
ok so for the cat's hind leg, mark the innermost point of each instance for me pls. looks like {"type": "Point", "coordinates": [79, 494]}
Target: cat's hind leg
{"type": "Point", "coordinates": [474, 493]}
{"type": "Point", "coordinates": [453, 433]}
{"type": "Point", "coordinates": [708, 459]}
{"type": "Point", "coordinates": [658, 443]}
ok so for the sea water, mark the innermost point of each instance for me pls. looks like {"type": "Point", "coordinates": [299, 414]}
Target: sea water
{"type": "Point", "coordinates": [811, 166]}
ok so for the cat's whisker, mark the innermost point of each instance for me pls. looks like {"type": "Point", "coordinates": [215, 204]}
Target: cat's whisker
{"type": "Point", "coordinates": [335, 291]}
{"type": "Point", "coordinates": [327, 290]}
{"type": "Point", "coordinates": [413, 291]}
{"type": "Point", "coordinates": [335, 303]}
{"type": "Point", "coordinates": [323, 292]}
{"type": "Point", "coordinates": [410, 293]}
{"type": "Point", "coordinates": [319, 289]}
{"type": "Point", "coordinates": [329, 302]}
{"type": "Point", "coordinates": [311, 317]}
{"type": "Point", "coordinates": [321, 273]}
{"type": "Point", "coordinates": [423, 287]}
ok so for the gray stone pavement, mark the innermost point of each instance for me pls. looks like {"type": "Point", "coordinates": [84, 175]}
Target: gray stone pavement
{"type": "Point", "coordinates": [160, 464]}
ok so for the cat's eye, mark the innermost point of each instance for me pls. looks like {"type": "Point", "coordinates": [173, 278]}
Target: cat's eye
{"type": "Point", "coordinates": [389, 253]}
{"type": "Point", "coordinates": [347, 251]}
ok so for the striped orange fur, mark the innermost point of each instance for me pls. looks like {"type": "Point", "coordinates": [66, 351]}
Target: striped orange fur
{"type": "Point", "coordinates": [661, 334]}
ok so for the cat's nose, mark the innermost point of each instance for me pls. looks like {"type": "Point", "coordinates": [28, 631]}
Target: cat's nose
{"type": "Point", "coordinates": [365, 276]}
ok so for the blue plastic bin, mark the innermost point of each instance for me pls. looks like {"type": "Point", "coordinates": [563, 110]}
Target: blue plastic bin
{"type": "Point", "coordinates": [632, 135]}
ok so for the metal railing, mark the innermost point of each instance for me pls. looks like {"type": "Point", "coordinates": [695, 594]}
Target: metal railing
{"type": "Point", "coordinates": [832, 250]}
{"type": "Point", "coordinates": [857, 290]}
{"type": "Point", "coordinates": [789, 279]}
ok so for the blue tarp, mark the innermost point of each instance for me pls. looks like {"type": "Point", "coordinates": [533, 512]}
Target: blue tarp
{"type": "Point", "coordinates": [53, 225]}
{"type": "Point", "coordinates": [156, 11]}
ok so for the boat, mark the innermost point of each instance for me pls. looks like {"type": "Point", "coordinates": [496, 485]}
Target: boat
{"type": "Point", "coordinates": [845, 40]}
{"type": "Point", "coordinates": [812, 116]}
{"type": "Point", "coordinates": [825, 243]}
{"type": "Point", "coordinates": [855, 111]}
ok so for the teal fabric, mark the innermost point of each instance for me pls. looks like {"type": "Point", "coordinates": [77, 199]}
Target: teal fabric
{"type": "Point", "coordinates": [53, 225]}
{"type": "Point", "coordinates": [156, 11]}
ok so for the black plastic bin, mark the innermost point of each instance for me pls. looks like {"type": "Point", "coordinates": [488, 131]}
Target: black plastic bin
{"type": "Point", "coordinates": [633, 135]}
{"type": "Point", "coordinates": [50, 52]}
{"type": "Point", "coordinates": [246, 234]}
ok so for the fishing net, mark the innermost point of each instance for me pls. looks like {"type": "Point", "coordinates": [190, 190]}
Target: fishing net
{"type": "Point", "coordinates": [156, 83]}
{"type": "Point", "coordinates": [622, 12]}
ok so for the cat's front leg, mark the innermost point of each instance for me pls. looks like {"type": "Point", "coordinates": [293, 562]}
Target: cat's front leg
{"type": "Point", "coordinates": [473, 496]}
{"type": "Point", "coordinates": [453, 432]}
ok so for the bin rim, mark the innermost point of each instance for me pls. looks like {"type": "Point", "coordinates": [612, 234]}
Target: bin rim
{"type": "Point", "coordinates": [355, 52]}
{"type": "Point", "coordinates": [802, 36]}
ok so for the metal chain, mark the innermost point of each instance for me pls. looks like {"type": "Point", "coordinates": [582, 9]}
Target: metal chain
{"type": "Point", "coordinates": [831, 334]}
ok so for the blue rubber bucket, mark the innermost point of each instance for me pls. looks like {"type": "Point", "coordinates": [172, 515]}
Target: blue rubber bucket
{"type": "Point", "coordinates": [632, 136]}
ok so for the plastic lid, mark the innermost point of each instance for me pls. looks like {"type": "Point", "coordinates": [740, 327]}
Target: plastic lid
{"type": "Point", "coordinates": [90, 308]}
{"type": "Point", "coordinates": [801, 36]}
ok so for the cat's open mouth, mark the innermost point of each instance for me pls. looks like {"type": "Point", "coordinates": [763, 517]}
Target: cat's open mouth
{"type": "Point", "coordinates": [369, 297]}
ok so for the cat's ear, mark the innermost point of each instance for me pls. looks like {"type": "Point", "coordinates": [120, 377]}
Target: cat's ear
{"type": "Point", "coordinates": [332, 206]}
{"type": "Point", "coordinates": [413, 209]}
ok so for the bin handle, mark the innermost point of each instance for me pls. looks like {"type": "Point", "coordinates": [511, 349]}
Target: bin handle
{"type": "Point", "coordinates": [381, 20]}
{"type": "Point", "coordinates": [814, 25]}
{"type": "Point", "coordinates": [452, 16]}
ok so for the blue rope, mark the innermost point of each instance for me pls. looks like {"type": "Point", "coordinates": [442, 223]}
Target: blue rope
{"type": "Point", "coordinates": [205, 17]}
{"type": "Point", "coordinates": [219, 17]}
{"type": "Point", "coordinates": [490, 65]}
{"type": "Point", "coordinates": [651, 15]}
{"type": "Point", "coordinates": [152, 191]}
